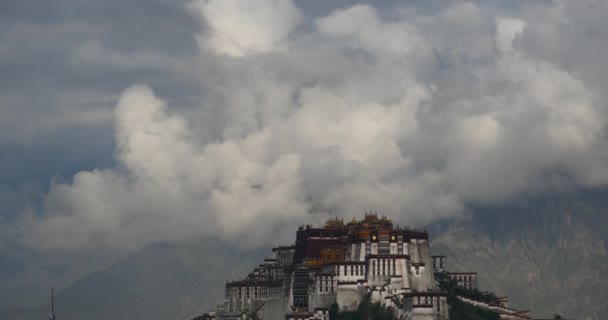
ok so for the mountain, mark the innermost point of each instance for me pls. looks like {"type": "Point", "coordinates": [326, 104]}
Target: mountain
{"type": "Point", "coordinates": [162, 281]}
{"type": "Point", "coordinates": [548, 255]}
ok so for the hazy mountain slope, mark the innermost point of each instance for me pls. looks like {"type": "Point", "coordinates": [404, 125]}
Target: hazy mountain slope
{"type": "Point", "coordinates": [25, 313]}
{"type": "Point", "coordinates": [164, 281]}
{"type": "Point", "coordinates": [548, 255]}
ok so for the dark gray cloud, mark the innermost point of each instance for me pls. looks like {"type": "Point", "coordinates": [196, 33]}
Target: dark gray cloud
{"type": "Point", "coordinates": [164, 120]}
{"type": "Point", "coordinates": [62, 66]}
{"type": "Point", "coordinates": [65, 62]}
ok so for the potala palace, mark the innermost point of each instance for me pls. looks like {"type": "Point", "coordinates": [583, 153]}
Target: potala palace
{"type": "Point", "coordinates": [345, 263]}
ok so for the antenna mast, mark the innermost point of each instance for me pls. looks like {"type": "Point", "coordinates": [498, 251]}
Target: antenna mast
{"type": "Point", "coordinates": [52, 315]}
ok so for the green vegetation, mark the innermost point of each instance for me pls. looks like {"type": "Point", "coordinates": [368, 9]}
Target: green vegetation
{"type": "Point", "coordinates": [460, 310]}
{"type": "Point", "coordinates": [449, 285]}
{"type": "Point", "coordinates": [365, 311]}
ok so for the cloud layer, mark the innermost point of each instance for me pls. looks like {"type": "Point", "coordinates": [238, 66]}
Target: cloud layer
{"type": "Point", "coordinates": [412, 115]}
{"type": "Point", "coordinates": [241, 27]}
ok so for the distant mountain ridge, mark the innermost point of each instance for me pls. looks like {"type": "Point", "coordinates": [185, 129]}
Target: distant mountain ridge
{"type": "Point", "coordinates": [546, 254]}
{"type": "Point", "coordinates": [161, 281]}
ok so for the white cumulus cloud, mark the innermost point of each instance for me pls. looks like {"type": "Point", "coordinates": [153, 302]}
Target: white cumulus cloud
{"type": "Point", "coordinates": [413, 115]}
{"type": "Point", "coordinates": [239, 27]}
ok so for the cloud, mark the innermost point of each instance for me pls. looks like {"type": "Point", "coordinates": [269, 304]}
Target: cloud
{"type": "Point", "coordinates": [532, 130]}
{"type": "Point", "coordinates": [506, 31]}
{"type": "Point", "coordinates": [360, 27]}
{"type": "Point", "coordinates": [183, 189]}
{"type": "Point", "coordinates": [240, 27]}
{"type": "Point", "coordinates": [414, 115]}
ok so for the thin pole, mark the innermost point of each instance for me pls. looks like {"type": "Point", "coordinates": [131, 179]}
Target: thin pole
{"type": "Point", "coordinates": [52, 315]}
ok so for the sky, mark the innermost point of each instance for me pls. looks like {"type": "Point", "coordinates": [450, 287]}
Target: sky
{"type": "Point", "coordinates": [126, 123]}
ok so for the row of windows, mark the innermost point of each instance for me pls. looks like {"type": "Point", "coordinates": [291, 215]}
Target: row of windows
{"type": "Point", "coordinates": [326, 288]}
{"type": "Point", "coordinates": [355, 270]}
{"type": "Point", "coordinates": [463, 278]}
{"type": "Point", "coordinates": [326, 284]}
{"type": "Point", "coordinates": [379, 267]}
{"type": "Point", "coordinates": [255, 292]}
{"type": "Point", "coordinates": [436, 302]}
{"type": "Point", "coordinates": [269, 272]}
{"type": "Point", "coordinates": [383, 262]}
{"type": "Point", "coordinates": [384, 267]}
{"type": "Point", "coordinates": [393, 238]}
{"type": "Point", "coordinates": [383, 271]}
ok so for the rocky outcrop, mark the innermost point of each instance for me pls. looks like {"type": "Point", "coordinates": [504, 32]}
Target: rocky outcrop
{"type": "Point", "coordinates": [550, 256]}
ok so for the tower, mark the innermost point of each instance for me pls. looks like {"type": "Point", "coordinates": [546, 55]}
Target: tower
{"type": "Point", "coordinates": [52, 314]}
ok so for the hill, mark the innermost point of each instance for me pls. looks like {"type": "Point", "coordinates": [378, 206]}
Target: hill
{"type": "Point", "coordinates": [546, 254]}
{"type": "Point", "coordinates": [162, 281]}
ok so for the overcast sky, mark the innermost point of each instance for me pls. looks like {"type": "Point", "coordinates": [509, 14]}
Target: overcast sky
{"type": "Point", "coordinates": [124, 123]}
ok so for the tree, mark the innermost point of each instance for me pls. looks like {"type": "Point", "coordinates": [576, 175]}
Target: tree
{"type": "Point", "coordinates": [333, 311]}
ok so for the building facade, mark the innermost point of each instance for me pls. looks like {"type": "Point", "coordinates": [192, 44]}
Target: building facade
{"type": "Point", "coordinates": [341, 263]}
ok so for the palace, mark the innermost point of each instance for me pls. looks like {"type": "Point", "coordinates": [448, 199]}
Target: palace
{"type": "Point", "coordinates": [344, 263]}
